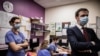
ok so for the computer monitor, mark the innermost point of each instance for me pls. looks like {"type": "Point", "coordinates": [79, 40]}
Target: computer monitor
{"type": "Point", "coordinates": [63, 42]}
{"type": "Point", "coordinates": [34, 40]}
{"type": "Point", "coordinates": [34, 43]}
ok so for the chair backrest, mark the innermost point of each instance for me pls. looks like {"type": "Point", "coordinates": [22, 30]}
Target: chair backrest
{"type": "Point", "coordinates": [31, 54]}
{"type": "Point", "coordinates": [34, 43]}
{"type": "Point", "coordinates": [63, 42]}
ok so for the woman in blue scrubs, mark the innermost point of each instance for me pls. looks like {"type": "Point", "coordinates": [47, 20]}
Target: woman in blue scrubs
{"type": "Point", "coordinates": [15, 39]}
{"type": "Point", "coordinates": [43, 49]}
{"type": "Point", "coordinates": [53, 47]}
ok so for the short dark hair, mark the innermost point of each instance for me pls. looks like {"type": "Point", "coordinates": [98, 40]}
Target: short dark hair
{"type": "Point", "coordinates": [13, 20]}
{"type": "Point", "coordinates": [55, 38]}
{"type": "Point", "coordinates": [81, 9]}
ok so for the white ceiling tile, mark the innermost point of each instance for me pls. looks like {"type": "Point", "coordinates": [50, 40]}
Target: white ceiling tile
{"type": "Point", "coordinates": [53, 3]}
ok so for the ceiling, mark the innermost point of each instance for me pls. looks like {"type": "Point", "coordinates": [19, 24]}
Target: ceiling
{"type": "Point", "coordinates": [53, 3]}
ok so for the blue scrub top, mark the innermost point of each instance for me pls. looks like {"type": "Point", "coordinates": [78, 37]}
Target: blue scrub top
{"type": "Point", "coordinates": [43, 52]}
{"type": "Point", "coordinates": [11, 37]}
{"type": "Point", "coordinates": [53, 47]}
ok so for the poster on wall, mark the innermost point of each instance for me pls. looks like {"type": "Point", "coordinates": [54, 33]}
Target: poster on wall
{"type": "Point", "coordinates": [3, 32]}
{"type": "Point", "coordinates": [5, 18]}
{"type": "Point", "coordinates": [25, 22]}
{"type": "Point", "coordinates": [25, 33]}
{"type": "Point", "coordinates": [58, 33]}
{"type": "Point", "coordinates": [52, 28]}
{"type": "Point", "coordinates": [59, 27]}
{"type": "Point", "coordinates": [64, 31]}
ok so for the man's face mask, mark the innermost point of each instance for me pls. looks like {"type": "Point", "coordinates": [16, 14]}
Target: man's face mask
{"type": "Point", "coordinates": [17, 26]}
{"type": "Point", "coordinates": [83, 20]}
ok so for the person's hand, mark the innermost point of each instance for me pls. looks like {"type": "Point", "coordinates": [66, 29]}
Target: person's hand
{"type": "Point", "coordinates": [24, 44]}
{"type": "Point", "coordinates": [93, 43]}
{"type": "Point", "coordinates": [69, 51]}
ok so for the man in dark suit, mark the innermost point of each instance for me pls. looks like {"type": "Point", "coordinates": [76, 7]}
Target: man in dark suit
{"type": "Point", "coordinates": [83, 40]}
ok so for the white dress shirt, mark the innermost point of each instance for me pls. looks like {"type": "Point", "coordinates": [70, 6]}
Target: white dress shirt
{"type": "Point", "coordinates": [80, 27]}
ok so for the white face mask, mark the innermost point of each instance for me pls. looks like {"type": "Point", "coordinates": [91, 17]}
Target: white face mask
{"type": "Point", "coordinates": [83, 20]}
{"type": "Point", "coordinates": [17, 26]}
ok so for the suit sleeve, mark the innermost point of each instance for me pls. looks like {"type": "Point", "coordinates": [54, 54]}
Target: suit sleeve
{"type": "Point", "coordinates": [96, 40]}
{"type": "Point", "coordinates": [76, 45]}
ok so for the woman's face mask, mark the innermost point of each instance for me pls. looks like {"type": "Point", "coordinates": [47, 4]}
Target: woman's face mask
{"type": "Point", "coordinates": [83, 20]}
{"type": "Point", "coordinates": [17, 26]}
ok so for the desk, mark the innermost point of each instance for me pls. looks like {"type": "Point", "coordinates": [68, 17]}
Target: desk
{"type": "Point", "coordinates": [64, 51]}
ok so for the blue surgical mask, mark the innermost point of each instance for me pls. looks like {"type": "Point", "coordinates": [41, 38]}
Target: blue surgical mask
{"type": "Point", "coordinates": [83, 20]}
{"type": "Point", "coordinates": [17, 26]}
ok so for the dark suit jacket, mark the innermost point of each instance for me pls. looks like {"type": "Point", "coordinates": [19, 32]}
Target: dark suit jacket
{"type": "Point", "coordinates": [78, 42]}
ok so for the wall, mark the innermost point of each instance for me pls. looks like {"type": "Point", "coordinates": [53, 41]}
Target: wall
{"type": "Point", "coordinates": [26, 8]}
{"type": "Point", "coordinates": [66, 13]}
{"type": "Point", "coordinates": [99, 7]}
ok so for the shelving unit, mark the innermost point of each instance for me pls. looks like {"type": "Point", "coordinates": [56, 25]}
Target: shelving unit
{"type": "Point", "coordinates": [38, 31]}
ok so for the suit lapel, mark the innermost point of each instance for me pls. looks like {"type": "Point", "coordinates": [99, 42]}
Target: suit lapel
{"type": "Point", "coordinates": [78, 32]}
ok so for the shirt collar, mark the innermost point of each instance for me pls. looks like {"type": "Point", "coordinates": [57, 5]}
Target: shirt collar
{"type": "Point", "coordinates": [80, 27]}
